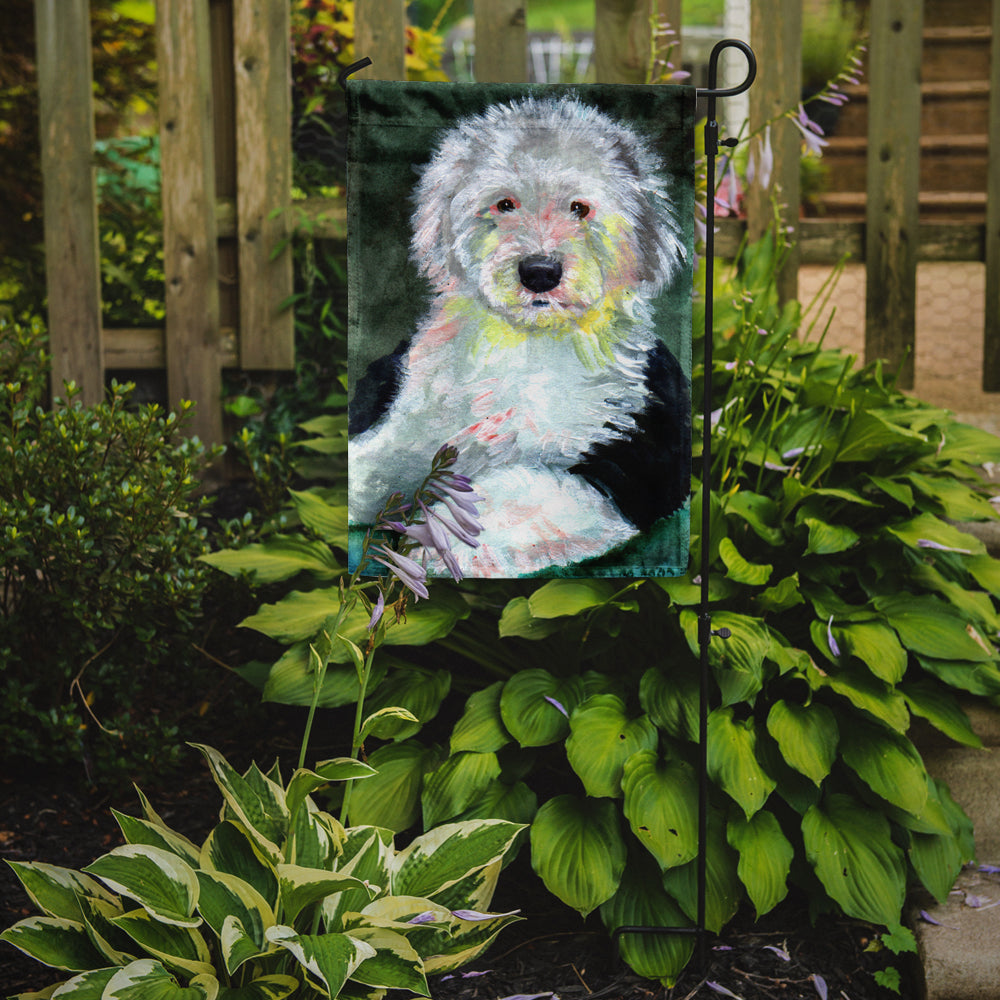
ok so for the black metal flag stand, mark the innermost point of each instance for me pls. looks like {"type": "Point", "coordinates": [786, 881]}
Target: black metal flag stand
{"type": "Point", "coordinates": [705, 631]}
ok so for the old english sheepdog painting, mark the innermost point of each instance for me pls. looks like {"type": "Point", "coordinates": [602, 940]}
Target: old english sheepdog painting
{"type": "Point", "coordinates": [520, 273]}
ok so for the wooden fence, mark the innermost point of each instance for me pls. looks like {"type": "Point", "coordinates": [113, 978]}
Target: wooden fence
{"type": "Point", "coordinates": [226, 161]}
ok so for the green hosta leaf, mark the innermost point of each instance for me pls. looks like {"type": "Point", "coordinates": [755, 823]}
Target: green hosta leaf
{"type": "Point", "coordinates": [893, 488]}
{"type": "Point", "coordinates": [957, 501]}
{"type": "Point", "coordinates": [177, 947]}
{"type": "Point", "coordinates": [516, 803]}
{"type": "Point", "coordinates": [299, 615]}
{"type": "Point", "coordinates": [986, 571]}
{"type": "Point", "coordinates": [888, 763]}
{"type": "Point", "coordinates": [965, 443]}
{"type": "Point", "coordinates": [732, 760]}
{"type": "Point", "coordinates": [330, 959]}
{"type": "Point", "coordinates": [876, 646]}
{"type": "Point", "coordinates": [850, 848]}
{"type": "Point", "coordinates": [141, 831]}
{"type": "Point", "coordinates": [230, 849]}
{"type": "Point", "coordinates": [783, 595]}
{"type": "Point", "coordinates": [326, 520]}
{"type": "Point", "coordinates": [931, 628]}
{"type": "Point", "coordinates": [261, 809]}
{"type": "Point", "coordinates": [928, 528]}
{"type": "Point", "coordinates": [602, 738]}
{"type": "Point", "coordinates": [147, 979]}
{"type": "Point", "coordinates": [723, 889]}
{"type": "Point", "coordinates": [301, 887]}
{"type": "Point", "coordinates": [56, 891]}
{"type": "Point", "coordinates": [738, 569]}
{"type": "Point", "coordinates": [865, 692]}
{"type": "Point", "coordinates": [975, 605]}
{"type": "Point", "coordinates": [517, 620]}
{"type": "Point", "coordinates": [418, 691]}
{"type": "Point", "coordinates": [578, 851]}
{"type": "Point", "coordinates": [292, 680]}
{"type": "Point", "coordinates": [941, 709]}
{"type": "Point", "coordinates": [275, 987]}
{"type": "Point", "coordinates": [760, 512]}
{"type": "Point", "coordinates": [738, 661]}
{"type": "Point", "coordinates": [530, 706]}
{"type": "Point", "coordinates": [870, 436]}
{"type": "Point", "coordinates": [765, 858]}
{"type": "Point", "coordinates": [661, 799]}
{"type": "Point", "coordinates": [391, 798]}
{"type": "Point", "coordinates": [456, 784]}
{"type": "Point", "coordinates": [279, 558]}
{"type": "Point", "coordinates": [395, 964]}
{"type": "Point", "coordinates": [159, 881]}
{"type": "Point", "coordinates": [54, 941]}
{"type": "Point", "coordinates": [937, 859]}
{"type": "Point", "coordinates": [671, 699]}
{"type": "Point", "coordinates": [481, 728]}
{"type": "Point", "coordinates": [558, 598]}
{"type": "Point", "coordinates": [807, 736]}
{"type": "Point", "coordinates": [641, 901]}
{"type": "Point", "coordinates": [827, 539]}
{"type": "Point", "coordinates": [683, 591]}
{"type": "Point", "coordinates": [226, 898]}
{"type": "Point", "coordinates": [976, 678]}
{"type": "Point", "coordinates": [441, 857]}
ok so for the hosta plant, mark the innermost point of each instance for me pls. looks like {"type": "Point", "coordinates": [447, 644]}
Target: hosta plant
{"type": "Point", "coordinates": [279, 900]}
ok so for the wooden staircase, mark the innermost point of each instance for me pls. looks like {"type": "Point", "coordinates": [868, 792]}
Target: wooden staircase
{"type": "Point", "coordinates": [955, 94]}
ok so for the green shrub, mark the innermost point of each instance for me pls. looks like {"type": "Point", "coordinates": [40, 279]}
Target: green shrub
{"type": "Point", "coordinates": [99, 542]}
{"type": "Point", "coordinates": [279, 900]}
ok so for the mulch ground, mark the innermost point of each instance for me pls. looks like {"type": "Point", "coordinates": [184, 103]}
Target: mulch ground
{"type": "Point", "coordinates": [550, 953]}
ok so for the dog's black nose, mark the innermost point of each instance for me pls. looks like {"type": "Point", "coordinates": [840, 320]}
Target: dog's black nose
{"type": "Point", "coordinates": [539, 273]}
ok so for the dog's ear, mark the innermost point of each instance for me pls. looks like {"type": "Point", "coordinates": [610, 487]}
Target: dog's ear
{"type": "Point", "coordinates": [431, 245]}
{"type": "Point", "coordinates": [659, 236]}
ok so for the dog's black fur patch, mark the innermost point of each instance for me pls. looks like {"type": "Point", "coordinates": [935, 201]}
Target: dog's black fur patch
{"type": "Point", "coordinates": [648, 474]}
{"type": "Point", "coordinates": [376, 390]}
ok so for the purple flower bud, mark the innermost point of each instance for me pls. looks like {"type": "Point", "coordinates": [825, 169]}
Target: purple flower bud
{"type": "Point", "coordinates": [410, 573]}
{"type": "Point", "coordinates": [834, 648]}
{"type": "Point", "coordinates": [558, 705]}
{"type": "Point", "coordinates": [427, 917]}
{"type": "Point", "coordinates": [377, 612]}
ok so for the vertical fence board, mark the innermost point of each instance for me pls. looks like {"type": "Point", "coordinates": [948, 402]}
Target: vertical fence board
{"type": "Point", "coordinates": [893, 183]}
{"type": "Point", "coordinates": [380, 34]}
{"type": "Point", "coordinates": [72, 257]}
{"type": "Point", "coordinates": [622, 40]}
{"type": "Point", "coordinates": [261, 56]}
{"type": "Point", "coordinates": [776, 35]}
{"type": "Point", "coordinates": [190, 254]}
{"type": "Point", "coordinates": [991, 332]}
{"type": "Point", "coordinates": [501, 41]}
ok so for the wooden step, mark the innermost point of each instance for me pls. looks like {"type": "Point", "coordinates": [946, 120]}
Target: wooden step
{"type": "Point", "coordinates": [944, 104]}
{"type": "Point", "coordinates": [958, 206]}
{"type": "Point", "coordinates": [947, 162]}
{"type": "Point", "coordinates": [956, 53]}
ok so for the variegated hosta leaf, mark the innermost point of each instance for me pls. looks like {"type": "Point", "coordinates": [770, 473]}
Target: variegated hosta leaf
{"type": "Point", "coordinates": [86, 986]}
{"type": "Point", "coordinates": [256, 801]}
{"type": "Point", "coordinates": [466, 941]}
{"type": "Point", "coordinates": [149, 980]}
{"type": "Point", "coordinates": [765, 858]}
{"type": "Point", "coordinates": [578, 851]}
{"type": "Point", "coordinates": [476, 890]}
{"type": "Point", "coordinates": [54, 941]}
{"type": "Point", "coordinates": [230, 849]}
{"type": "Point", "coordinates": [441, 857]}
{"type": "Point", "coordinates": [315, 838]}
{"type": "Point", "coordinates": [732, 760]}
{"type": "Point", "coordinates": [300, 887]}
{"type": "Point", "coordinates": [225, 897]}
{"type": "Point", "coordinates": [56, 891]}
{"type": "Point", "coordinates": [535, 706]}
{"type": "Point", "coordinates": [602, 737]}
{"type": "Point", "coordinates": [807, 736]}
{"type": "Point", "coordinates": [274, 987]}
{"type": "Point", "coordinates": [850, 847]}
{"type": "Point", "coordinates": [456, 784]}
{"type": "Point", "coordinates": [329, 959]}
{"type": "Point", "coordinates": [481, 727]}
{"type": "Point", "coordinates": [158, 880]}
{"type": "Point", "coordinates": [141, 831]}
{"type": "Point", "coordinates": [661, 799]}
{"type": "Point", "coordinates": [304, 782]}
{"type": "Point", "coordinates": [395, 964]}
{"type": "Point", "coordinates": [177, 947]}
{"type": "Point", "coordinates": [116, 947]}
{"type": "Point", "coordinates": [367, 853]}
{"type": "Point", "coordinates": [642, 902]}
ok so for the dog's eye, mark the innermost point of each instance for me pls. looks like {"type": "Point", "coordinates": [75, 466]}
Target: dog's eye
{"type": "Point", "coordinates": [580, 209]}
{"type": "Point", "coordinates": [506, 205]}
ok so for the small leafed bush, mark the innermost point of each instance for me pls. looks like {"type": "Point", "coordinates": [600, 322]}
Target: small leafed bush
{"type": "Point", "coordinates": [99, 574]}
{"type": "Point", "coordinates": [280, 899]}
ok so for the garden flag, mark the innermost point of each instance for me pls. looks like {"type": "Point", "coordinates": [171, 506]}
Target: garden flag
{"type": "Point", "coordinates": [520, 276]}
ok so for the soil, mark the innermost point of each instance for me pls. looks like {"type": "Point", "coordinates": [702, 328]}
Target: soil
{"type": "Point", "coordinates": [551, 952]}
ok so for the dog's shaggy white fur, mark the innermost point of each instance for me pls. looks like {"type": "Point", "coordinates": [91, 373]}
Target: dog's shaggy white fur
{"type": "Point", "coordinates": [545, 230]}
